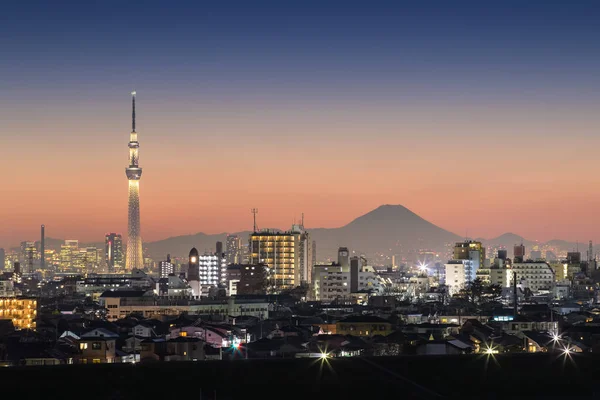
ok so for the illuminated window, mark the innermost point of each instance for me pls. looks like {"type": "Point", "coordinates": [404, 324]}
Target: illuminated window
{"type": "Point", "coordinates": [82, 346]}
{"type": "Point", "coordinates": [183, 333]}
{"type": "Point", "coordinates": [96, 361]}
{"type": "Point", "coordinates": [96, 345]}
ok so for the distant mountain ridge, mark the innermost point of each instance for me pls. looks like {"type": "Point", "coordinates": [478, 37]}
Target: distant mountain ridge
{"type": "Point", "coordinates": [388, 229]}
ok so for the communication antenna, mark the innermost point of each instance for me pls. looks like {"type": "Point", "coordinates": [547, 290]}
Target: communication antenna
{"type": "Point", "coordinates": [254, 211]}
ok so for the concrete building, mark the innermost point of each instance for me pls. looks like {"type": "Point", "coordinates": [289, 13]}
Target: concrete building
{"type": "Point", "coordinates": [337, 283]}
{"type": "Point", "coordinates": [467, 249]}
{"type": "Point", "coordinates": [119, 304]}
{"type": "Point", "coordinates": [166, 268]}
{"type": "Point", "coordinates": [536, 275]}
{"type": "Point", "coordinates": [253, 280]}
{"type": "Point", "coordinates": [212, 271]}
{"type": "Point", "coordinates": [28, 257]}
{"type": "Point", "coordinates": [233, 251]}
{"type": "Point", "coordinates": [21, 310]}
{"type": "Point", "coordinates": [469, 257]}
{"type": "Point", "coordinates": [519, 253]}
{"type": "Point", "coordinates": [285, 253]}
{"type": "Point", "coordinates": [113, 251]}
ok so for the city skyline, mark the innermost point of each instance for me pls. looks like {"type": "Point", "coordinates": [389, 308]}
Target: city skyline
{"type": "Point", "coordinates": [486, 131]}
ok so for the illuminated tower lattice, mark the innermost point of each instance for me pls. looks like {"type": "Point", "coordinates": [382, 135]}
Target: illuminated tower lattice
{"type": "Point", "coordinates": [135, 258]}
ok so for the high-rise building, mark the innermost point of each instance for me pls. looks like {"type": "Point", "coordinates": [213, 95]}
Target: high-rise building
{"type": "Point", "coordinates": [2, 258]}
{"type": "Point", "coordinates": [314, 253]}
{"type": "Point", "coordinates": [519, 253]}
{"type": "Point", "coordinates": [503, 254]}
{"type": "Point", "coordinates": [286, 254]}
{"type": "Point", "coordinates": [463, 251]}
{"type": "Point", "coordinates": [219, 248]}
{"type": "Point", "coordinates": [344, 258]}
{"type": "Point", "coordinates": [28, 255]}
{"type": "Point", "coordinates": [113, 251]}
{"type": "Point", "coordinates": [233, 249]}
{"type": "Point", "coordinates": [135, 258]}
{"type": "Point", "coordinates": [469, 256]}
{"type": "Point", "coordinates": [69, 255]}
{"type": "Point", "coordinates": [43, 248]}
{"type": "Point", "coordinates": [166, 268]}
{"type": "Point", "coordinates": [213, 270]}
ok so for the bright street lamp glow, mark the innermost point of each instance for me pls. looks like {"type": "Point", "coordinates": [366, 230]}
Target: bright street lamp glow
{"type": "Point", "coordinates": [324, 355]}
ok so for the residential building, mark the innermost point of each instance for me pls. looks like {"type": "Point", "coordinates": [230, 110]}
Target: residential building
{"type": "Point", "coordinates": [364, 325]}
{"type": "Point", "coordinates": [253, 280]}
{"type": "Point", "coordinates": [21, 310]}
{"type": "Point", "coordinates": [120, 304]}
{"type": "Point", "coordinates": [280, 251]}
{"type": "Point", "coordinates": [536, 275]}
{"type": "Point", "coordinates": [166, 268]}
{"type": "Point", "coordinates": [213, 270]}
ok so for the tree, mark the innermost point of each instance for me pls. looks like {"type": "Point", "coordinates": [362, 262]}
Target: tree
{"type": "Point", "coordinates": [474, 291]}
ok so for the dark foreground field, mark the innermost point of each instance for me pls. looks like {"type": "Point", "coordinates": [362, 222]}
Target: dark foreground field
{"type": "Point", "coordinates": [428, 377]}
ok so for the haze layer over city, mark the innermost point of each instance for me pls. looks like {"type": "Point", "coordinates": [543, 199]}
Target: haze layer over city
{"type": "Point", "coordinates": [481, 119]}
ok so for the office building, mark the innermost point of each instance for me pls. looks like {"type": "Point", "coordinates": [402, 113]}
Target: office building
{"type": "Point", "coordinates": [219, 249]}
{"type": "Point", "coordinates": [233, 251]}
{"type": "Point", "coordinates": [2, 259]}
{"type": "Point", "coordinates": [113, 251]}
{"type": "Point", "coordinates": [28, 257]}
{"type": "Point", "coordinates": [519, 253]}
{"type": "Point", "coordinates": [135, 258]}
{"type": "Point", "coordinates": [69, 255]}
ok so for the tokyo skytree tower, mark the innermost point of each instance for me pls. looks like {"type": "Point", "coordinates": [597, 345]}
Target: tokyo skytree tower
{"type": "Point", "coordinates": [135, 259]}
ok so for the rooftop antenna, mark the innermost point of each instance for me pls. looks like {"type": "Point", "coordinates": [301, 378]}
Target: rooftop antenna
{"type": "Point", "coordinates": [254, 211]}
{"type": "Point", "coordinates": [133, 111]}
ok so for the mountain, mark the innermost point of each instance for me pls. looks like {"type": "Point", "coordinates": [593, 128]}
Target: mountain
{"type": "Point", "coordinates": [508, 241]}
{"type": "Point", "coordinates": [388, 229]}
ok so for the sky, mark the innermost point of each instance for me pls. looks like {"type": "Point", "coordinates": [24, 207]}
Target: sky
{"type": "Point", "coordinates": [482, 117]}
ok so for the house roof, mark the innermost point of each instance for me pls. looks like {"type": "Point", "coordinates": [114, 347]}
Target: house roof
{"type": "Point", "coordinates": [364, 319]}
{"type": "Point", "coordinates": [123, 293]}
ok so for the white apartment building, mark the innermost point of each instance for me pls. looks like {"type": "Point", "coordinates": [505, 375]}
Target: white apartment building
{"type": "Point", "coordinates": [536, 275]}
{"type": "Point", "coordinates": [459, 273]}
{"type": "Point", "coordinates": [332, 282]}
{"type": "Point", "coordinates": [213, 270]}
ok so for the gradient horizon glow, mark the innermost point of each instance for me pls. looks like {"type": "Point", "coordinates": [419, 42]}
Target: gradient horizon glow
{"type": "Point", "coordinates": [481, 118]}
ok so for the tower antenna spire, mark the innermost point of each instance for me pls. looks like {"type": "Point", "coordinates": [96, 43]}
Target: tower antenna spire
{"type": "Point", "coordinates": [133, 111]}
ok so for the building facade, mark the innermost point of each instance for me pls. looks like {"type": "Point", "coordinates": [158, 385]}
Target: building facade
{"type": "Point", "coordinates": [536, 275]}
{"type": "Point", "coordinates": [287, 254]}
{"type": "Point", "coordinates": [113, 251]}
